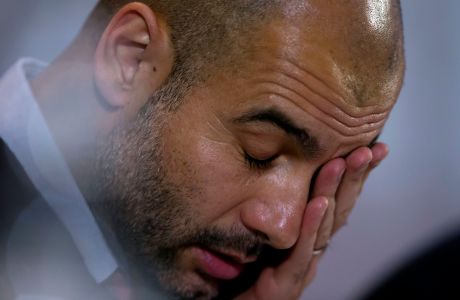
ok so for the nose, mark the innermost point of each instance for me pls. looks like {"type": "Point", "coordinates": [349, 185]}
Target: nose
{"type": "Point", "coordinates": [276, 211]}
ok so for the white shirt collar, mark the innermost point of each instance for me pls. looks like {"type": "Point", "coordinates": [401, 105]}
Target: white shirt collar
{"type": "Point", "coordinates": [24, 130]}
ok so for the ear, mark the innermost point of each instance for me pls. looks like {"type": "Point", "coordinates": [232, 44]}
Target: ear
{"type": "Point", "coordinates": [133, 57]}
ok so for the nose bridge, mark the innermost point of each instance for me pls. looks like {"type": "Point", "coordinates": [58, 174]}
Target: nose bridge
{"type": "Point", "coordinates": [276, 210]}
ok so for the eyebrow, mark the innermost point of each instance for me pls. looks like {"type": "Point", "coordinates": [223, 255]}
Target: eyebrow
{"type": "Point", "coordinates": [309, 144]}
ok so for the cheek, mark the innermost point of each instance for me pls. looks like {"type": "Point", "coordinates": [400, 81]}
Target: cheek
{"type": "Point", "coordinates": [211, 172]}
{"type": "Point", "coordinates": [223, 174]}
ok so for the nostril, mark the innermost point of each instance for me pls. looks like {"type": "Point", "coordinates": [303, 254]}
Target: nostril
{"type": "Point", "coordinates": [276, 222]}
{"type": "Point", "coordinates": [283, 240]}
{"type": "Point", "coordinates": [263, 238]}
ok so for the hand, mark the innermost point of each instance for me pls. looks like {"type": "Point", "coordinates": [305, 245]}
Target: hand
{"type": "Point", "coordinates": [343, 192]}
{"type": "Point", "coordinates": [287, 280]}
{"type": "Point", "coordinates": [334, 195]}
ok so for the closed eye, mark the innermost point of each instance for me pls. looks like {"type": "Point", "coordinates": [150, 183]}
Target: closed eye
{"type": "Point", "coordinates": [258, 163]}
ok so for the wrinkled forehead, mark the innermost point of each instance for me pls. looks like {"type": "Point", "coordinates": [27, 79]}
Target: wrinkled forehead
{"type": "Point", "coordinates": [365, 41]}
{"type": "Point", "coordinates": [332, 63]}
{"type": "Point", "coordinates": [356, 46]}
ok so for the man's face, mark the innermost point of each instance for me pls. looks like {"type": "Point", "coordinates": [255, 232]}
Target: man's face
{"type": "Point", "coordinates": [196, 195]}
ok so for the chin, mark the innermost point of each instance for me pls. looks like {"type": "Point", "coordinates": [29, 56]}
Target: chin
{"type": "Point", "coordinates": [188, 285]}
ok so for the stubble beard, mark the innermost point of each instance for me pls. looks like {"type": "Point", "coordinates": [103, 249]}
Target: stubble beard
{"type": "Point", "coordinates": [149, 216]}
{"type": "Point", "coordinates": [139, 206]}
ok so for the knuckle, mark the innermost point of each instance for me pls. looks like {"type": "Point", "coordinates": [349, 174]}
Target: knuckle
{"type": "Point", "coordinates": [356, 177]}
{"type": "Point", "coordinates": [341, 218]}
{"type": "Point", "coordinates": [342, 215]}
{"type": "Point", "coordinates": [323, 238]}
{"type": "Point", "coordinates": [299, 277]}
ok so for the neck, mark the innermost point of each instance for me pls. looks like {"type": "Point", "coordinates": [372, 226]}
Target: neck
{"type": "Point", "coordinates": [68, 100]}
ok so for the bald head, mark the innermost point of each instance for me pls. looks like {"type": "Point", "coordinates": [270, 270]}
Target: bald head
{"type": "Point", "coordinates": [364, 38]}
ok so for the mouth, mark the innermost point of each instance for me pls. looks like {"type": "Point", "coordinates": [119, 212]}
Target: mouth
{"type": "Point", "coordinates": [222, 265]}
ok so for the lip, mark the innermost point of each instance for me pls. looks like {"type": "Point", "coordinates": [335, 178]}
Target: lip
{"type": "Point", "coordinates": [220, 265]}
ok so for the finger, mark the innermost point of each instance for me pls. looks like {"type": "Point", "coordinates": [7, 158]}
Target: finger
{"type": "Point", "coordinates": [286, 280]}
{"type": "Point", "coordinates": [357, 165]}
{"type": "Point", "coordinates": [326, 185]}
{"type": "Point", "coordinates": [379, 153]}
{"type": "Point", "coordinates": [313, 269]}
{"type": "Point", "coordinates": [294, 269]}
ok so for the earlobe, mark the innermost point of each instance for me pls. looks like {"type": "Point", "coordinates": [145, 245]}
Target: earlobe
{"type": "Point", "coordinates": [133, 57]}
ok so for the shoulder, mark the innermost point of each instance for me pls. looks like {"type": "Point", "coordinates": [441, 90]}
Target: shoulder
{"type": "Point", "coordinates": [41, 257]}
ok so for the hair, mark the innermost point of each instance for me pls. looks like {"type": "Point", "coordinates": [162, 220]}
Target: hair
{"type": "Point", "coordinates": [206, 35]}
{"type": "Point", "coordinates": [211, 35]}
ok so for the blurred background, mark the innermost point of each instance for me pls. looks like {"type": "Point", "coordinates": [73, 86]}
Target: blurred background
{"type": "Point", "coordinates": [410, 201]}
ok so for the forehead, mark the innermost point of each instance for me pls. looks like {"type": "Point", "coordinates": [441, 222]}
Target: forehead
{"type": "Point", "coordinates": [355, 45]}
{"type": "Point", "coordinates": [290, 65]}
{"type": "Point", "coordinates": [365, 41]}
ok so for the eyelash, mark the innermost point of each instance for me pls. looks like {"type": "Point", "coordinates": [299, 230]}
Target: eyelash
{"type": "Point", "coordinates": [257, 163]}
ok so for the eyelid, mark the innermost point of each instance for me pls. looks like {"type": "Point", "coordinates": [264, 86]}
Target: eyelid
{"type": "Point", "coordinates": [259, 163]}
{"type": "Point", "coordinates": [262, 147]}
